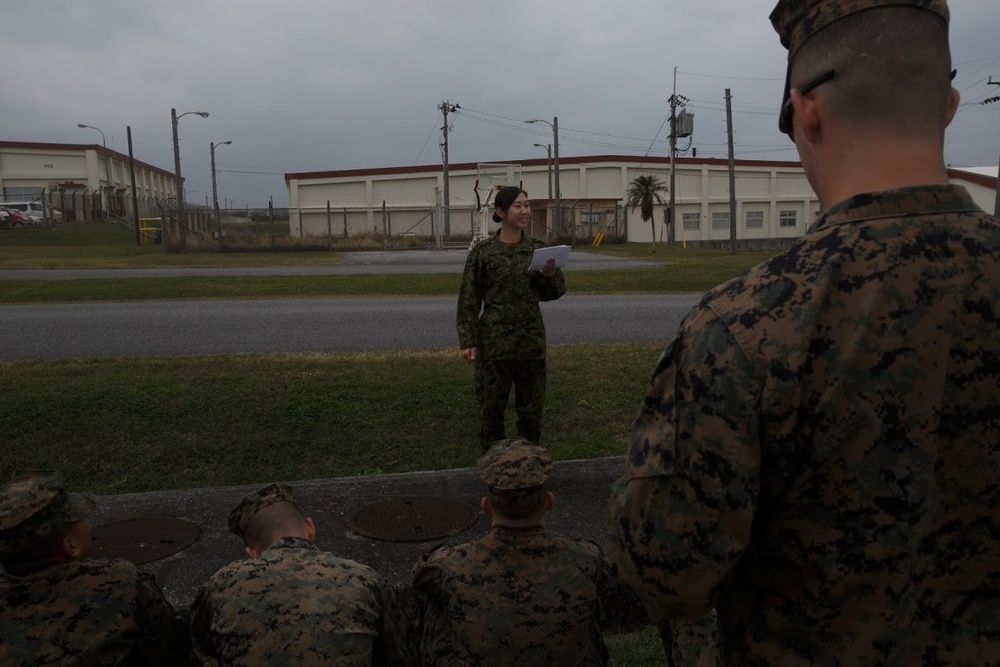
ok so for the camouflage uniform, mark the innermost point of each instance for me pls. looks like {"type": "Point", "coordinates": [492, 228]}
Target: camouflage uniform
{"type": "Point", "coordinates": [516, 596]}
{"type": "Point", "coordinates": [88, 612]}
{"type": "Point", "coordinates": [297, 605]}
{"type": "Point", "coordinates": [498, 314]}
{"type": "Point", "coordinates": [817, 453]}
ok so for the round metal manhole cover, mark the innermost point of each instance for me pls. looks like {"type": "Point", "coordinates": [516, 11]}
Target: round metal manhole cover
{"type": "Point", "coordinates": [413, 518]}
{"type": "Point", "coordinates": [143, 540]}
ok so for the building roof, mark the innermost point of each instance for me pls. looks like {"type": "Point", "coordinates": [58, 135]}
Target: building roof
{"type": "Point", "coordinates": [44, 146]}
{"type": "Point", "coordinates": [984, 176]}
{"type": "Point", "coordinates": [538, 162]}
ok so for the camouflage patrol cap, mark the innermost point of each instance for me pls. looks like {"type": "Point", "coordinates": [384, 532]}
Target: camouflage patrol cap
{"type": "Point", "coordinates": [35, 506]}
{"type": "Point", "coordinates": [514, 470]}
{"type": "Point", "coordinates": [797, 20]}
{"type": "Point", "coordinates": [244, 512]}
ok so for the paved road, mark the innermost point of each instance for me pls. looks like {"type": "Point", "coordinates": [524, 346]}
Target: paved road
{"type": "Point", "coordinates": [394, 261]}
{"type": "Point", "coordinates": [308, 325]}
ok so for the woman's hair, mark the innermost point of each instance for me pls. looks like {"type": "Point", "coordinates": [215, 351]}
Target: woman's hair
{"type": "Point", "coordinates": [505, 197]}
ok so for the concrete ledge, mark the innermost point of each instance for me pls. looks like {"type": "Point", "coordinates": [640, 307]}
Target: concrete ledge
{"type": "Point", "coordinates": [581, 510]}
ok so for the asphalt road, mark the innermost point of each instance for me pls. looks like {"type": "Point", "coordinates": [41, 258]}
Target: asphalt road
{"type": "Point", "coordinates": [308, 325]}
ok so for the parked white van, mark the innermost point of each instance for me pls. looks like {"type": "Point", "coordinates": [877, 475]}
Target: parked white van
{"type": "Point", "coordinates": [34, 210]}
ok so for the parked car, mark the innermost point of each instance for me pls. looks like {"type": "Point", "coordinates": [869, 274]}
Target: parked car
{"type": "Point", "coordinates": [10, 217]}
{"type": "Point", "coordinates": [34, 210]}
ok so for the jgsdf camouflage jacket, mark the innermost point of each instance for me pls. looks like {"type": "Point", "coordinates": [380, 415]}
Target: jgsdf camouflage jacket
{"type": "Point", "coordinates": [514, 597]}
{"type": "Point", "coordinates": [88, 612]}
{"type": "Point", "coordinates": [298, 605]}
{"type": "Point", "coordinates": [496, 283]}
{"type": "Point", "coordinates": [817, 455]}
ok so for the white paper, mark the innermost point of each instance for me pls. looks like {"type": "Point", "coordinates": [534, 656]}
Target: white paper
{"type": "Point", "coordinates": [541, 255]}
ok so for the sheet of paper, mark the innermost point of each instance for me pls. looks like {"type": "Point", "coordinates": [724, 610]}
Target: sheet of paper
{"type": "Point", "coordinates": [542, 255]}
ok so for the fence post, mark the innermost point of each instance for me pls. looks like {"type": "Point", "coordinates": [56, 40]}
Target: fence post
{"type": "Point", "coordinates": [385, 229]}
{"type": "Point", "coordinates": [329, 227]}
{"type": "Point", "coordinates": [345, 222]}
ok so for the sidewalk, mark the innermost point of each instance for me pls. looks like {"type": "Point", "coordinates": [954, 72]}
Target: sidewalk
{"type": "Point", "coordinates": [581, 489]}
{"type": "Point", "coordinates": [364, 262]}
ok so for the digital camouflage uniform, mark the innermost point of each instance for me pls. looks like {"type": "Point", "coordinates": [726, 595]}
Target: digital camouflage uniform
{"type": "Point", "coordinates": [516, 596]}
{"type": "Point", "coordinates": [498, 314]}
{"type": "Point", "coordinates": [86, 612]}
{"type": "Point", "coordinates": [817, 452]}
{"type": "Point", "coordinates": [297, 605]}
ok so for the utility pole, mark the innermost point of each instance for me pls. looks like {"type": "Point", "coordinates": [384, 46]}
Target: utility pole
{"type": "Point", "coordinates": [135, 196]}
{"type": "Point", "coordinates": [996, 202]}
{"type": "Point", "coordinates": [446, 107]}
{"type": "Point", "coordinates": [675, 132]}
{"type": "Point", "coordinates": [732, 173]}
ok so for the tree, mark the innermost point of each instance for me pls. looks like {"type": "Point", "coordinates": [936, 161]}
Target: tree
{"type": "Point", "coordinates": [644, 192]}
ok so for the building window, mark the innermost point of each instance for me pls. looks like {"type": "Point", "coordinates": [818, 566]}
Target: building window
{"type": "Point", "coordinates": [786, 219]}
{"type": "Point", "coordinates": [691, 221]}
{"type": "Point", "coordinates": [755, 219]}
{"type": "Point", "coordinates": [720, 220]}
{"type": "Point", "coordinates": [29, 194]}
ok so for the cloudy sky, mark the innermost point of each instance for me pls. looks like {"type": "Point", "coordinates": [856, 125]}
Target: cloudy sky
{"type": "Point", "coordinates": [313, 85]}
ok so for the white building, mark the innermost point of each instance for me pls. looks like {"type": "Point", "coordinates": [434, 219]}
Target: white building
{"type": "Point", "coordinates": [73, 174]}
{"type": "Point", "coordinates": [773, 199]}
{"type": "Point", "coordinates": [981, 182]}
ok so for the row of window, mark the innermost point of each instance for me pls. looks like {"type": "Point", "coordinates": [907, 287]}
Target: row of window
{"type": "Point", "coordinates": [754, 220]}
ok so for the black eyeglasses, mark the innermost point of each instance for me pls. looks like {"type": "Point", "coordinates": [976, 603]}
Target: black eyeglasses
{"type": "Point", "coordinates": [785, 115]}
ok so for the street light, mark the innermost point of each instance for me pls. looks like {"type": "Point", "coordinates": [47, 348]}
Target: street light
{"type": "Point", "coordinates": [548, 151]}
{"type": "Point", "coordinates": [215, 191]}
{"type": "Point", "coordinates": [177, 170]}
{"type": "Point", "coordinates": [107, 165]}
{"type": "Point", "coordinates": [555, 165]}
{"type": "Point", "coordinates": [103, 141]}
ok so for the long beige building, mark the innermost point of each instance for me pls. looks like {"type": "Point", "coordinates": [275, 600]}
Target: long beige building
{"type": "Point", "coordinates": [72, 175]}
{"type": "Point", "coordinates": [773, 199]}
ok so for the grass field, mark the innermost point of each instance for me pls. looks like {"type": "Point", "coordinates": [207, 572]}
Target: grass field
{"type": "Point", "coordinates": [103, 246]}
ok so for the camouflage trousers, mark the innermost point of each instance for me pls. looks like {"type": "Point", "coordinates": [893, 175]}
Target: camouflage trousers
{"type": "Point", "coordinates": [494, 379]}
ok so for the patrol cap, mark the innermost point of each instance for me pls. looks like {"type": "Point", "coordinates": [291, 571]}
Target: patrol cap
{"type": "Point", "coordinates": [797, 21]}
{"type": "Point", "coordinates": [35, 506]}
{"type": "Point", "coordinates": [514, 470]}
{"type": "Point", "coordinates": [247, 509]}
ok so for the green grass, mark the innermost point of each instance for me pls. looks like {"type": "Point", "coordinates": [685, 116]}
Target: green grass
{"type": "Point", "coordinates": [124, 425]}
{"type": "Point", "coordinates": [97, 246]}
{"type": "Point", "coordinates": [637, 648]}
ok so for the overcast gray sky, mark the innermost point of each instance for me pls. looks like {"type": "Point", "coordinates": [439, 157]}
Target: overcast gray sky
{"type": "Point", "coordinates": [331, 84]}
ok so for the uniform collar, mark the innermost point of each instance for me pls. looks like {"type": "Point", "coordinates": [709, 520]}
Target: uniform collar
{"type": "Point", "coordinates": [292, 543]}
{"type": "Point", "coordinates": [505, 534]}
{"type": "Point", "coordinates": [899, 203]}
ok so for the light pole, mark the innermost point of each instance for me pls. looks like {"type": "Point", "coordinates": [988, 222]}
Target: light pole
{"type": "Point", "coordinates": [548, 151]}
{"type": "Point", "coordinates": [215, 191]}
{"type": "Point", "coordinates": [555, 165]}
{"type": "Point", "coordinates": [103, 140]}
{"type": "Point", "coordinates": [177, 171]}
{"type": "Point", "coordinates": [107, 165]}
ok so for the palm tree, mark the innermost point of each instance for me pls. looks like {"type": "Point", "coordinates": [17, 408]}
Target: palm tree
{"type": "Point", "coordinates": [644, 192]}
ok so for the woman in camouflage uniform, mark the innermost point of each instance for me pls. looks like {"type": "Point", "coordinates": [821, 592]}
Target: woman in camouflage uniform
{"type": "Point", "coordinates": [500, 326]}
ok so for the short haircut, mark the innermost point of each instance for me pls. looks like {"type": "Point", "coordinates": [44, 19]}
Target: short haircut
{"type": "Point", "coordinates": [520, 504]}
{"type": "Point", "coordinates": [272, 523]}
{"type": "Point", "coordinates": [892, 68]}
{"type": "Point", "coordinates": [37, 554]}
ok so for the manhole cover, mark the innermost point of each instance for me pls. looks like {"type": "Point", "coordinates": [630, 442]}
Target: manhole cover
{"type": "Point", "coordinates": [143, 540]}
{"type": "Point", "coordinates": [414, 518]}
